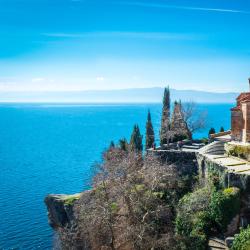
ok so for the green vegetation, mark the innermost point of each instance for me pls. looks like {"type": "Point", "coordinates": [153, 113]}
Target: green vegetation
{"type": "Point", "coordinates": [70, 199]}
{"type": "Point", "coordinates": [191, 220]}
{"type": "Point", "coordinates": [147, 202]}
{"type": "Point", "coordinates": [222, 129]}
{"type": "Point", "coordinates": [123, 144]}
{"type": "Point", "coordinates": [112, 145]}
{"type": "Point", "coordinates": [183, 122]}
{"type": "Point", "coordinates": [134, 201]}
{"type": "Point", "coordinates": [239, 151]}
{"type": "Point", "coordinates": [150, 135]}
{"type": "Point", "coordinates": [224, 206]}
{"type": "Point", "coordinates": [216, 176]}
{"type": "Point", "coordinates": [204, 212]}
{"type": "Point", "coordinates": [179, 126]}
{"type": "Point", "coordinates": [180, 137]}
{"type": "Point", "coordinates": [204, 140]}
{"type": "Point", "coordinates": [211, 131]}
{"type": "Point", "coordinates": [165, 119]}
{"type": "Point", "coordinates": [136, 140]}
{"type": "Point", "coordinates": [242, 240]}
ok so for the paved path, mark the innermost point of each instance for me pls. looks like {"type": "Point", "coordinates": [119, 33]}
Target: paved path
{"type": "Point", "coordinates": [233, 164]}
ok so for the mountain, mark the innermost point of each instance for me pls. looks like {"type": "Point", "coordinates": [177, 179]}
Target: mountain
{"type": "Point", "coordinates": [144, 95]}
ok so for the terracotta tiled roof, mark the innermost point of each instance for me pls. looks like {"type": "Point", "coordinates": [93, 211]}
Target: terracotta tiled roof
{"type": "Point", "coordinates": [243, 96]}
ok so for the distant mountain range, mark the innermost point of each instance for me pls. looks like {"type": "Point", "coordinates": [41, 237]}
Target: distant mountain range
{"type": "Point", "coordinates": [143, 95]}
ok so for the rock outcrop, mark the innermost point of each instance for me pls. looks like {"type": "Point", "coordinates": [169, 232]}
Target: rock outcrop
{"type": "Point", "coordinates": [60, 209]}
{"type": "Point", "coordinates": [63, 214]}
{"type": "Point", "coordinates": [64, 210]}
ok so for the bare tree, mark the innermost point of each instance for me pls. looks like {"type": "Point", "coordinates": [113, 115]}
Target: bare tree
{"type": "Point", "coordinates": [194, 118]}
{"type": "Point", "coordinates": [131, 203]}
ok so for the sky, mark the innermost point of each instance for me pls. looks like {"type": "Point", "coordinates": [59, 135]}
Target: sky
{"type": "Point", "coordinates": [62, 45]}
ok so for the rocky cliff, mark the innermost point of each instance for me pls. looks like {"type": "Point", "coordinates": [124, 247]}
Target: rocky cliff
{"type": "Point", "coordinates": [63, 215]}
{"type": "Point", "coordinates": [64, 210]}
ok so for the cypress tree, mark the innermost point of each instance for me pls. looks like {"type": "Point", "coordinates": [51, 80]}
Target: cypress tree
{"type": "Point", "coordinates": [179, 127]}
{"type": "Point", "coordinates": [112, 145]}
{"type": "Point", "coordinates": [123, 144]}
{"type": "Point", "coordinates": [211, 131]}
{"type": "Point", "coordinates": [165, 119]}
{"type": "Point", "coordinates": [150, 135]}
{"type": "Point", "coordinates": [136, 140]}
{"type": "Point", "coordinates": [222, 129]}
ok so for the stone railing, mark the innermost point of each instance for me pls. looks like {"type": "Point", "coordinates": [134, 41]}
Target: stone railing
{"type": "Point", "coordinates": [212, 136]}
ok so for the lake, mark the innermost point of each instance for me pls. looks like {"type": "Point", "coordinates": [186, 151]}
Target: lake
{"type": "Point", "coordinates": [50, 148]}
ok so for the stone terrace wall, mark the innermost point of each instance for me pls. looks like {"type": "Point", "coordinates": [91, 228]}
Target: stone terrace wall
{"type": "Point", "coordinates": [173, 156]}
{"type": "Point", "coordinates": [207, 167]}
{"type": "Point", "coordinates": [185, 162]}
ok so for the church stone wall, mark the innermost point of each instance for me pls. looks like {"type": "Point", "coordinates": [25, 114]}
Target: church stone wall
{"type": "Point", "coordinates": [236, 125]}
{"type": "Point", "coordinates": [246, 122]}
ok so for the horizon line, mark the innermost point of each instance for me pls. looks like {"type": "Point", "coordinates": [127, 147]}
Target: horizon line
{"type": "Point", "coordinates": [120, 89]}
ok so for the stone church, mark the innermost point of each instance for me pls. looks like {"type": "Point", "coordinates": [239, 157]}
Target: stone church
{"type": "Point", "coordinates": [240, 118]}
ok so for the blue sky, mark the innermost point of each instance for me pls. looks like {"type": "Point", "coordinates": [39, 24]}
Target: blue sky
{"type": "Point", "coordinates": [50, 45]}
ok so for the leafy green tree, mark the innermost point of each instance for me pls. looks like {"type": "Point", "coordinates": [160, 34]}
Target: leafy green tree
{"type": "Point", "coordinates": [136, 140]}
{"type": "Point", "coordinates": [150, 135]}
{"type": "Point", "coordinates": [165, 132]}
{"type": "Point", "coordinates": [222, 129]}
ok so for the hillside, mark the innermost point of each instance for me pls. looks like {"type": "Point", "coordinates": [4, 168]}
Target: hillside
{"type": "Point", "coordinates": [146, 95]}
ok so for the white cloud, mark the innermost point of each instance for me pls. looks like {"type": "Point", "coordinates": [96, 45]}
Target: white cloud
{"type": "Point", "coordinates": [121, 34]}
{"type": "Point", "coordinates": [37, 79]}
{"type": "Point", "coordinates": [7, 83]}
{"type": "Point", "coordinates": [100, 78]}
{"type": "Point", "coordinates": [181, 7]}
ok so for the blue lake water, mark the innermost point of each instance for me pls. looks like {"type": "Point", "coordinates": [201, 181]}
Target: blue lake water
{"type": "Point", "coordinates": [50, 149]}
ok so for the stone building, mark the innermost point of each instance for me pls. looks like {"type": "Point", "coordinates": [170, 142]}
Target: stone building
{"type": "Point", "coordinates": [240, 118]}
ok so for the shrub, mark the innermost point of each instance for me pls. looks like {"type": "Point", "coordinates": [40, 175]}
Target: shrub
{"type": "Point", "coordinates": [198, 240]}
{"type": "Point", "coordinates": [204, 211]}
{"type": "Point", "coordinates": [202, 223]}
{"type": "Point", "coordinates": [239, 151]}
{"type": "Point", "coordinates": [183, 225]}
{"type": "Point", "coordinates": [242, 240]}
{"type": "Point", "coordinates": [224, 206]}
{"type": "Point", "coordinates": [216, 176]}
{"type": "Point", "coordinates": [70, 199]}
{"type": "Point", "coordinates": [180, 137]}
{"type": "Point", "coordinates": [211, 131]}
{"type": "Point", "coordinates": [204, 140]}
{"type": "Point", "coordinates": [192, 220]}
{"type": "Point", "coordinates": [193, 230]}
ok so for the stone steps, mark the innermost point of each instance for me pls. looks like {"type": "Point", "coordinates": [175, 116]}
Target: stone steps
{"type": "Point", "coordinates": [214, 148]}
{"type": "Point", "coordinates": [216, 244]}
{"type": "Point", "coordinates": [191, 147]}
